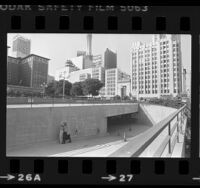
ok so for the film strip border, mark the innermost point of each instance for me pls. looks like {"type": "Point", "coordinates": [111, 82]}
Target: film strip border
{"type": "Point", "coordinates": [91, 171]}
{"type": "Point", "coordinates": [153, 19]}
{"type": "Point", "coordinates": [90, 24]}
{"type": "Point", "coordinates": [101, 171]}
{"type": "Point", "coordinates": [87, 166]}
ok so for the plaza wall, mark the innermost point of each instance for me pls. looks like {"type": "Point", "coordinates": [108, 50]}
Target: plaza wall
{"type": "Point", "coordinates": [36, 125]}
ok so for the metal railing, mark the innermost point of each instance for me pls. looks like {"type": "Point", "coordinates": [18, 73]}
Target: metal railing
{"type": "Point", "coordinates": [136, 146]}
{"type": "Point", "coordinates": [167, 141]}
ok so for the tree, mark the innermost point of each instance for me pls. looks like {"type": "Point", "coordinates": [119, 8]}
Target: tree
{"type": "Point", "coordinates": [17, 93]}
{"type": "Point", "coordinates": [76, 89]}
{"type": "Point", "coordinates": [126, 97]}
{"type": "Point", "coordinates": [10, 92]}
{"type": "Point", "coordinates": [59, 88]}
{"type": "Point", "coordinates": [91, 86]}
{"type": "Point", "coordinates": [116, 97]}
{"type": "Point", "coordinates": [51, 88]}
{"type": "Point", "coordinates": [27, 93]}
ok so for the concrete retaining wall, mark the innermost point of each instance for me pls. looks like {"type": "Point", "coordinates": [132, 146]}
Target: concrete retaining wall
{"type": "Point", "coordinates": [157, 112]}
{"type": "Point", "coordinates": [35, 125]}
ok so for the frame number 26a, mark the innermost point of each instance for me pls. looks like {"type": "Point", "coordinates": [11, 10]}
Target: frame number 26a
{"type": "Point", "coordinates": [29, 177]}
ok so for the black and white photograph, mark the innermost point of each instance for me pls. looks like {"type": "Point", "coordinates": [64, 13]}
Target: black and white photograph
{"type": "Point", "coordinates": [98, 95]}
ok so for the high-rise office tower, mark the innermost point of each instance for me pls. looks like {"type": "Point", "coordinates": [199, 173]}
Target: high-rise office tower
{"type": "Point", "coordinates": [110, 59]}
{"type": "Point", "coordinates": [89, 44]}
{"type": "Point", "coordinates": [21, 46]}
{"type": "Point", "coordinates": [30, 71]}
{"type": "Point", "coordinates": [156, 67]}
{"type": "Point", "coordinates": [33, 70]}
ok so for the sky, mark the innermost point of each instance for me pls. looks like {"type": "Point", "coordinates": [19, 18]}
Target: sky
{"type": "Point", "coordinates": [60, 47]}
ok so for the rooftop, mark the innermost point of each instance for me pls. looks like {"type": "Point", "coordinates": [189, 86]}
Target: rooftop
{"type": "Point", "coordinates": [21, 37]}
{"type": "Point", "coordinates": [36, 56]}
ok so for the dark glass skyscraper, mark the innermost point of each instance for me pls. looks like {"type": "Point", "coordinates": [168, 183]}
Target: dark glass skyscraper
{"type": "Point", "coordinates": [110, 59]}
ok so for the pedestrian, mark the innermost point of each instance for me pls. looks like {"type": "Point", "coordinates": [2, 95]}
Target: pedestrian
{"type": "Point", "coordinates": [66, 133]}
{"type": "Point", "coordinates": [61, 133]}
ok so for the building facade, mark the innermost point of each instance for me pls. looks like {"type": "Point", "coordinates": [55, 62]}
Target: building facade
{"type": "Point", "coordinates": [184, 81]}
{"type": "Point", "coordinates": [116, 83]}
{"type": "Point", "coordinates": [34, 71]}
{"type": "Point", "coordinates": [111, 82]}
{"type": "Point", "coordinates": [13, 70]}
{"type": "Point", "coordinates": [124, 88]}
{"type": "Point", "coordinates": [79, 75]}
{"type": "Point", "coordinates": [97, 60]}
{"type": "Point", "coordinates": [87, 62]}
{"type": "Point", "coordinates": [123, 84]}
{"type": "Point", "coordinates": [31, 71]}
{"type": "Point", "coordinates": [99, 73]}
{"type": "Point", "coordinates": [156, 67]}
{"type": "Point", "coordinates": [110, 59]}
{"type": "Point", "coordinates": [21, 46]}
{"type": "Point", "coordinates": [84, 76]}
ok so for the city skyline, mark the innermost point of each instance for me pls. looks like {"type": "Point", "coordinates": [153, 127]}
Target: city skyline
{"type": "Point", "coordinates": [120, 43]}
{"type": "Point", "coordinates": [156, 73]}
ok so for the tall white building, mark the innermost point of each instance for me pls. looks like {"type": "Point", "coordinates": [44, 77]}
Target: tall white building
{"type": "Point", "coordinates": [21, 46]}
{"type": "Point", "coordinates": [156, 67]}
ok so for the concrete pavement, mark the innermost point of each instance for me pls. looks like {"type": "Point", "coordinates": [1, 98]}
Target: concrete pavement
{"type": "Point", "coordinates": [90, 147]}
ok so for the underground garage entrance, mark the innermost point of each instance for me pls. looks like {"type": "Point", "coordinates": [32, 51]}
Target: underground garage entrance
{"type": "Point", "coordinates": [130, 124]}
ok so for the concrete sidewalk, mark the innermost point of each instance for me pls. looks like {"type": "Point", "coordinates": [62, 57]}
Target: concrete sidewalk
{"type": "Point", "coordinates": [83, 147]}
{"type": "Point", "coordinates": [53, 147]}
